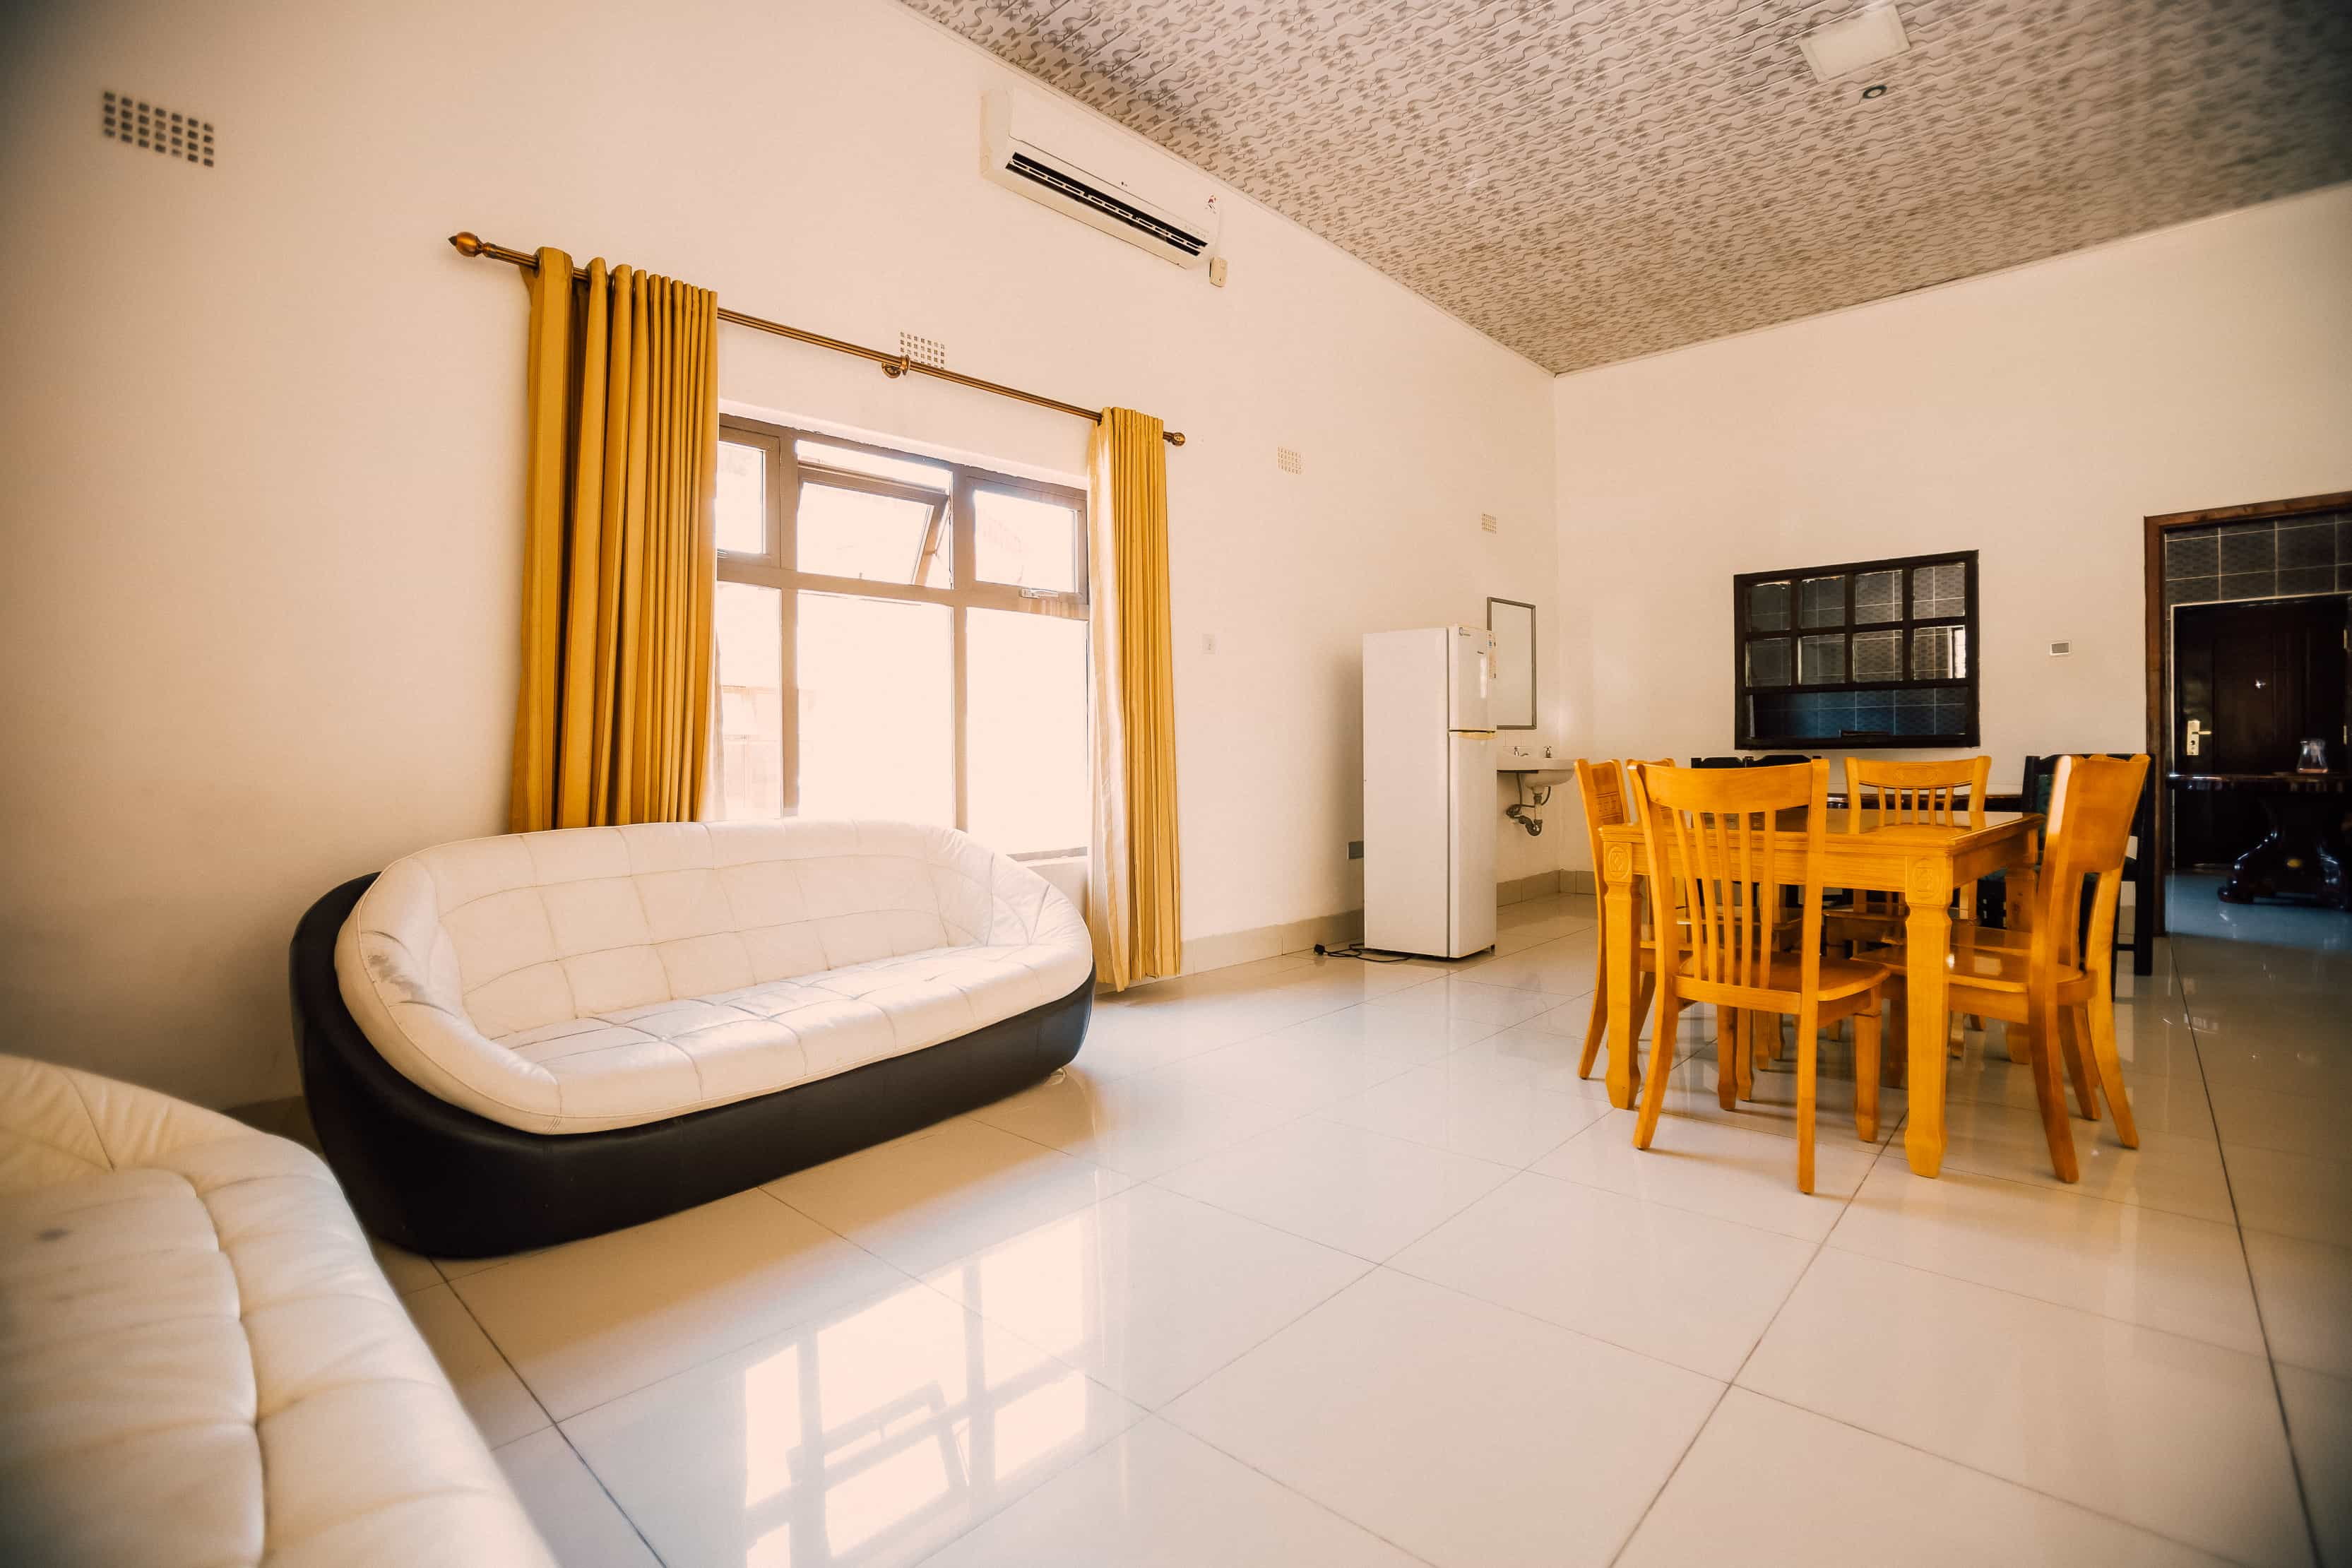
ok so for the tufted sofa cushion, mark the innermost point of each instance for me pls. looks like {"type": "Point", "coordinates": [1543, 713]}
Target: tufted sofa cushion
{"type": "Point", "coordinates": [593, 978]}
{"type": "Point", "coordinates": [200, 1361]}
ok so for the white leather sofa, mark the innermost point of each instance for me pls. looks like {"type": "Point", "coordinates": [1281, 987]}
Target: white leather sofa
{"type": "Point", "coordinates": [200, 1361]}
{"type": "Point", "coordinates": [585, 1029]}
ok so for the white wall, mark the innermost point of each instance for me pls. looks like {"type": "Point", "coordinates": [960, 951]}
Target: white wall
{"type": "Point", "coordinates": [2036, 416]}
{"type": "Point", "coordinates": [260, 472]}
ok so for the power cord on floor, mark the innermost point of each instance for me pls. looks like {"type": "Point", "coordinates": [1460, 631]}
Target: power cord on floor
{"type": "Point", "coordinates": [1356, 950]}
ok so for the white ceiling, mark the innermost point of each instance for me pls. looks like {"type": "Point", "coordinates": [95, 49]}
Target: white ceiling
{"type": "Point", "coordinates": [1590, 182]}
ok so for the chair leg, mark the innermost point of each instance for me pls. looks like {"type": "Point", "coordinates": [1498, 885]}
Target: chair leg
{"type": "Point", "coordinates": [1866, 1072]}
{"type": "Point", "coordinates": [1727, 1057]}
{"type": "Point", "coordinates": [1808, 1048]}
{"type": "Point", "coordinates": [1645, 987]}
{"type": "Point", "coordinates": [1598, 1029]}
{"type": "Point", "coordinates": [2078, 1072]}
{"type": "Point", "coordinates": [1653, 1081]}
{"type": "Point", "coordinates": [2101, 1031]}
{"type": "Point", "coordinates": [1744, 1059]}
{"type": "Point", "coordinates": [2048, 1092]}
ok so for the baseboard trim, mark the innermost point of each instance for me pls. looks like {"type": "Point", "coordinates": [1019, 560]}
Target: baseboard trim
{"type": "Point", "coordinates": [1229, 948]}
{"type": "Point", "coordinates": [1519, 889]}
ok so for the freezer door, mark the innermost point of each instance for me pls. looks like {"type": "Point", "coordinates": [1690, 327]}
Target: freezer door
{"type": "Point", "coordinates": [1471, 813]}
{"type": "Point", "coordinates": [1470, 670]}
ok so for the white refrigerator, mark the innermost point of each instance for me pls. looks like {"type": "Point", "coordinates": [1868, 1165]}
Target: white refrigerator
{"type": "Point", "coordinates": [1428, 792]}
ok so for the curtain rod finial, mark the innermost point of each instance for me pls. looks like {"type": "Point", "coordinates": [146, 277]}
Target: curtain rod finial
{"type": "Point", "coordinates": [467, 242]}
{"type": "Point", "coordinates": [1175, 437]}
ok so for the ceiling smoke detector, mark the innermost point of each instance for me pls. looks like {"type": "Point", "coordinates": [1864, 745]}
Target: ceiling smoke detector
{"type": "Point", "coordinates": [1861, 39]}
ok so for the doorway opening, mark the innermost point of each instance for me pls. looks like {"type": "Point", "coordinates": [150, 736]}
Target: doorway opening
{"type": "Point", "coordinates": [2250, 700]}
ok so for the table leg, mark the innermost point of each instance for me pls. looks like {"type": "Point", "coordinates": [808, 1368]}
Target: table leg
{"type": "Point", "coordinates": [2022, 890]}
{"type": "Point", "coordinates": [1623, 940]}
{"type": "Point", "coordinates": [1928, 943]}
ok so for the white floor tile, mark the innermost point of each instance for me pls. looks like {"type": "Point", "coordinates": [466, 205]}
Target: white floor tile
{"type": "Point", "coordinates": [2292, 1123]}
{"type": "Point", "coordinates": [1155, 1498]}
{"type": "Point", "coordinates": [872, 1435]}
{"type": "Point", "coordinates": [1564, 966]}
{"type": "Point", "coordinates": [2293, 1194]}
{"type": "Point", "coordinates": [1732, 1172]}
{"type": "Point", "coordinates": [1459, 997]}
{"type": "Point", "coordinates": [502, 1408]}
{"type": "Point", "coordinates": [1467, 1112]}
{"type": "Point", "coordinates": [2319, 1425]}
{"type": "Point", "coordinates": [579, 1522]}
{"type": "Point", "coordinates": [1772, 1105]}
{"type": "Point", "coordinates": [1346, 1187]}
{"type": "Point", "coordinates": [1795, 1490]}
{"type": "Point", "coordinates": [2169, 1433]}
{"type": "Point", "coordinates": [409, 1272]}
{"type": "Point", "coordinates": [591, 1319]}
{"type": "Point", "coordinates": [2170, 1171]}
{"type": "Point", "coordinates": [1471, 1436]}
{"type": "Point", "coordinates": [2165, 1270]}
{"type": "Point", "coordinates": [2305, 1291]}
{"type": "Point", "coordinates": [1409, 1040]}
{"type": "Point", "coordinates": [1139, 1126]}
{"type": "Point", "coordinates": [1685, 1287]}
{"type": "Point", "coordinates": [1148, 1290]}
{"type": "Point", "coordinates": [924, 1200]}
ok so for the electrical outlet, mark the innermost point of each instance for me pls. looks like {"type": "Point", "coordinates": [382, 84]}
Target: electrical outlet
{"type": "Point", "coordinates": [1486, 521]}
{"type": "Point", "coordinates": [1208, 642]}
{"type": "Point", "coordinates": [2061, 650]}
{"type": "Point", "coordinates": [1355, 848]}
{"type": "Point", "coordinates": [1286, 460]}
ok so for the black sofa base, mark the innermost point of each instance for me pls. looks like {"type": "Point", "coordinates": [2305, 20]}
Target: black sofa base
{"type": "Point", "coordinates": [432, 1177]}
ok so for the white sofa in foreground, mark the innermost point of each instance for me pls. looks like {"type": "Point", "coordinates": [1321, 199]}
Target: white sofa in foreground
{"type": "Point", "coordinates": [511, 1042]}
{"type": "Point", "coordinates": [200, 1361]}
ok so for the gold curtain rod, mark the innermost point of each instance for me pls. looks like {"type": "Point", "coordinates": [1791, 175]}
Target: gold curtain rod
{"type": "Point", "coordinates": [893, 365]}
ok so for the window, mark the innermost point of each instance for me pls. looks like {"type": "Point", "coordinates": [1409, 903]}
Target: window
{"type": "Point", "coordinates": [899, 636]}
{"type": "Point", "coordinates": [1872, 653]}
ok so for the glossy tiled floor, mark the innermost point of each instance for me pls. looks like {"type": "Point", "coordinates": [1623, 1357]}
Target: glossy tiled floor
{"type": "Point", "coordinates": [1318, 1262]}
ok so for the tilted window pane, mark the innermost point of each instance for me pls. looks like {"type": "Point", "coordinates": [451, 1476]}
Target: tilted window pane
{"type": "Point", "coordinates": [1025, 730]}
{"type": "Point", "coordinates": [1823, 599]}
{"type": "Point", "coordinates": [853, 533]}
{"type": "Point", "coordinates": [1877, 596]}
{"type": "Point", "coordinates": [1939, 652]}
{"type": "Point", "coordinates": [1767, 606]}
{"type": "Point", "coordinates": [1768, 661]}
{"type": "Point", "coordinates": [749, 637]}
{"type": "Point", "coordinates": [906, 470]}
{"type": "Point", "coordinates": [742, 508]}
{"type": "Point", "coordinates": [1821, 661]}
{"type": "Point", "coordinates": [1939, 589]}
{"type": "Point", "coordinates": [1026, 542]}
{"type": "Point", "coordinates": [1879, 655]}
{"type": "Point", "coordinates": [876, 708]}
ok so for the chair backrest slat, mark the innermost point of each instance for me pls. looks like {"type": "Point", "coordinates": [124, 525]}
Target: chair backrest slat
{"type": "Point", "coordinates": [1915, 792]}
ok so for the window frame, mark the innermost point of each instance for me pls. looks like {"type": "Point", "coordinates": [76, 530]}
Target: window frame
{"type": "Point", "coordinates": [784, 471]}
{"type": "Point", "coordinates": [1905, 626]}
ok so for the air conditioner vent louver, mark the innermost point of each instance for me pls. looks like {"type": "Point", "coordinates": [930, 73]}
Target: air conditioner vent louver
{"type": "Point", "coordinates": [1103, 201]}
{"type": "Point", "coordinates": [151, 128]}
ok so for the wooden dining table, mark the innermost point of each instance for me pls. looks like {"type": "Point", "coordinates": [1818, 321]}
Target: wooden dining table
{"type": "Point", "coordinates": [1922, 862]}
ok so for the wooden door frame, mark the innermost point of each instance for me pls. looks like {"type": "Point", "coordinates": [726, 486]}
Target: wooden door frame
{"type": "Point", "coordinates": [2160, 675]}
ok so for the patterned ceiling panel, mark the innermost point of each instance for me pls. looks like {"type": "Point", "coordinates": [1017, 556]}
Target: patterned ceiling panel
{"type": "Point", "coordinates": [1590, 182]}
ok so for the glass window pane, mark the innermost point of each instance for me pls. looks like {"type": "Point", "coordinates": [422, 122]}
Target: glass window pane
{"type": "Point", "coordinates": [1879, 655]}
{"type": "Point", "coordinates": [1768, 661]}
{"type": "Point", "coordinates": [853, 534]}
{"type": "Point", "coordinates": [1939, 589]}
{"type": "Point", "coordinates": [1767, 606]}
{"type": "Point", "coordinates": [749, 639]}
{"type": "Point", "coordinates": [743, 515]}
{"type": "Point", "coordinates": [1823, 600]}
{"type": "Point", "coordinates": [1821, 661]}
{"type": "Point", "coordinates": [1939, 652]}
{"type": "Point", "coordinates": [1877, 596]}
{"type": "Point", "coordinates": [1025, 730]}
{"type": "Point", "coordinates": [906, 470]}
{"type": "Point", "coordinates": [1027, 542]}
{"type": "Point", "coordinates": [876, 708]}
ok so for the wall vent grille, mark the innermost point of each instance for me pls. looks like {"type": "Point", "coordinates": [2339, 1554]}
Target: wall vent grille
{"type": "Point", "coordinates": [151, 128]}
{"type": "Point", "coordinates": [1486, 521]}
{"type": "Point", "coordinates": [1287, 460]}
{"type": "Point", "coordinates": [923, 351]}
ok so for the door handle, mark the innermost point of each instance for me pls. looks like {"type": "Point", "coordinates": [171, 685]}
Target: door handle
{"type": "Point", "coordinates": [2196, 731]}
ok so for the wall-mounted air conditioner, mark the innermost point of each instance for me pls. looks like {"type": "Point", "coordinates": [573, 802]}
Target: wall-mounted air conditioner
{"type": "Point", "coordinates": [1084, 172]}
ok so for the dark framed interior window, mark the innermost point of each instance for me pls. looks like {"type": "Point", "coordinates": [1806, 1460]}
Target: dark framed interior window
{"type": "Point", "coordinates": [1869, 653]}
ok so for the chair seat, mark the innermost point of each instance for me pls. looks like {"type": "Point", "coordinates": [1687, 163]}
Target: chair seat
{"type": "Point", "coordinates": [1840, 977]}
{"type": "Point", "coordinates": [1987, 958]}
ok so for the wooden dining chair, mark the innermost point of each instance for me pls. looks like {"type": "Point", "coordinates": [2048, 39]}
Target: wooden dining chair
{"type": "Point", "coordinates": [1883, 793]}
{"type": "Point", "coordinates": [1600, 787]}
{"type": "Point", "coordinates": [2057, 978]}
{"type": "Point", "coordinates": [1717, 837]}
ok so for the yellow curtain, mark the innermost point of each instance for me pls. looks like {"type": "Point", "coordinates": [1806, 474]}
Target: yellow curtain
{"type": "Point", "coordinates": [614, 722]}
{"type": "Point", "coordinates": [1133, 902]}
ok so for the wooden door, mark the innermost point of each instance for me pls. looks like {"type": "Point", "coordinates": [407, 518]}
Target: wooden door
{"type": "Point", "coordinates": [2255, 679]}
